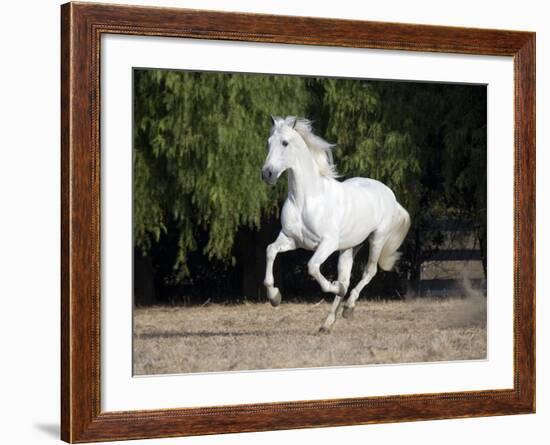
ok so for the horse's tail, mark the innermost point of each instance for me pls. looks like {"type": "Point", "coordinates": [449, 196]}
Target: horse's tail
{"type": "Point", "coordinates": [401, 225]}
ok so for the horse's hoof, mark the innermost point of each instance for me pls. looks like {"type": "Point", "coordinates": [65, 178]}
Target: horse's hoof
{"type": "Point", "coordinates": [276, 298]}
{"type": "Point", "coordinates": [324, 330]}
{"type": "Point", "coordinates": [347, 312]}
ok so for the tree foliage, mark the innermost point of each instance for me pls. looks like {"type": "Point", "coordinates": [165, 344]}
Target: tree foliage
{"type": "Point", "coordinates": [199, 143]}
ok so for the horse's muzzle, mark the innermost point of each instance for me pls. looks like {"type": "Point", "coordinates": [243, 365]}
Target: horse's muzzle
{"type": "Point", "coordinates": [268, 175]}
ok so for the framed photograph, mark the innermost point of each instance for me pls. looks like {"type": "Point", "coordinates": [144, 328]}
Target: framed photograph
{"type": "Point", "coordinates": [274, 222]}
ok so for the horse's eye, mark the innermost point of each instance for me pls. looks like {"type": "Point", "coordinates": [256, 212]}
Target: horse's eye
{"type": "Point", "coordinates": [285, 143]}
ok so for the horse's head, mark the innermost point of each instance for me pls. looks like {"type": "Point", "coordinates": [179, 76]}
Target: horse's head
{"type": "Point", "coordinates": [282, 145]}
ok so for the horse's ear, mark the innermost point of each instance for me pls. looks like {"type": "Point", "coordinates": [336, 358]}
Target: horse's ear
{"type": "Point", "coordinates": [291, 121]}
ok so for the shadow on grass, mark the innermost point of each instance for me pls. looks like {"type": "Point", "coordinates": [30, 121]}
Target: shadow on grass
{"type": "Point", "coordinates": [203, 334]}
{"type": "Point", "coordinates": [208, 334]}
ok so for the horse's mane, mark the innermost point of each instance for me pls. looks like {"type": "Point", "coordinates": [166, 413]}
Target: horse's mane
{"type": "Point", "coordinates": [320, 149]}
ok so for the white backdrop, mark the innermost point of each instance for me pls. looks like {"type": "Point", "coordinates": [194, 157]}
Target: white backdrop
{"type": "Point", "coordinates": [29, 235]}
{"type": "Point", "coordinates": [121, 392]}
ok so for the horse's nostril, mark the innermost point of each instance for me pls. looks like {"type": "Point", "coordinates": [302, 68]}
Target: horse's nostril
{"type": "Point", "coordinates": [267, 173]}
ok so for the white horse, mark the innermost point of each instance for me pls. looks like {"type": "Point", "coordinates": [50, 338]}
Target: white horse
{"type": "Point", "coordinates": [325, 215]}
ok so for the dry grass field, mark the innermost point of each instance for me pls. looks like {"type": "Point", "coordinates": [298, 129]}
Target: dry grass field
{"type": "Point", "coordinates": [179, 339]}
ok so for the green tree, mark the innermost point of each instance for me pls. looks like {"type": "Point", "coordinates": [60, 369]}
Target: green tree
{"type": "Point", "coordinates": [199, 143]}
{"type": "Point", "coordinates": [425, 141]}
{"type": "Point", "coordinates": [464, 165]}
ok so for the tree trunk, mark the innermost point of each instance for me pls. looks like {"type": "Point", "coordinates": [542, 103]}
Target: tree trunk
{"type": "Point", "coordinates": [252, 245]}
{"type": "Point", "coordinates": [251, 262]}
{"type": "Point", "coordinates": [144, 282]}
{"type": "Point", "coordinates": [483, 250]}
{"type": "Point", "coordinates": [251, 275]}
{"type": "Point", "coordinates": [414, 288]}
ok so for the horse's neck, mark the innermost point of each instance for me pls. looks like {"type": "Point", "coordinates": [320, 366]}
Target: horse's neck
{"type": "Point", "coordinates": [304, 181]}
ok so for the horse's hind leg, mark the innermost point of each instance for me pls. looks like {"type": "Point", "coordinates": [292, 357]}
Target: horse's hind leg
{"type": "Point", "coordinates": [376, 244]}
{"type": "Point", "coordinates": [345, 263]}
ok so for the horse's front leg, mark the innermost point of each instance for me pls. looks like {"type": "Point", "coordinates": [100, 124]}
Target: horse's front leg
{"type": "Point", "coordinates": [282, 244]}
{"type": "Point", "coordinates": [345, 263]}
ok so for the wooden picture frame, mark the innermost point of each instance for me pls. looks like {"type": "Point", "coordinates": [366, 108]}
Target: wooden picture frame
{"type": "Point", "coordinates": [82, 25]}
